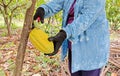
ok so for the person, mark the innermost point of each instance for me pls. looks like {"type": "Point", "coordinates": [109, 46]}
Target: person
{"type": "Point", "coordinates": [84, 34]}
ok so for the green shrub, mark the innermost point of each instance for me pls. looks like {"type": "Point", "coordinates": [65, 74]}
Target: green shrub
{"type": "Point", "coordinates": [113, 13]}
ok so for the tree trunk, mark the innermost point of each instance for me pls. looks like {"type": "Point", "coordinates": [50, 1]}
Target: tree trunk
{"type": "Point", "coordinates": [24, 39]}
{"type": "Point", "coordinates": [6, 18]}
{"type": "Point", "coordinates": [9, 29]}
{"type": "Point", "coordinates": [8, 25]}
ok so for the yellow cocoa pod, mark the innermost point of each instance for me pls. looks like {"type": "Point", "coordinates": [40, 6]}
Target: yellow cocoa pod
{"type": "Point", "coordinates": [39, 40]}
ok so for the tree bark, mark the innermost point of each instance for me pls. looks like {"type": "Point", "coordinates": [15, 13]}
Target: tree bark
{"type": "Point", "coordinates": [6, 19]}
{"type": "Point", "coordinates": [24, 39]}
{"type": "Point", "coordinates": [8, 26]}
{"type": "Point", "coordinates": [9, 29]}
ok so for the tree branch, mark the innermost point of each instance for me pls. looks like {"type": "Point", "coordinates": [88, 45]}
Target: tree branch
{"type": "Point", "coordinates": [0, 10]}
{"type": "Point", "coordinates": [12, 12]}
{"type": "Point", "coordinates": [1, 5]}
{"type": "Point", "coordinates": [9, 2]}
{"type": "Point", "coordinates": [4, 5]}
{"type": "Point", "coordinates": [17, 8]}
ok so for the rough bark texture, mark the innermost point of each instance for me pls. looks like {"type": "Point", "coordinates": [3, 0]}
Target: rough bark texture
{"type": "Point", "coordinates": [24, 39]}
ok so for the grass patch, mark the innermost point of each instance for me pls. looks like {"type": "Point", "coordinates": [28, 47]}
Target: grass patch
{"type": "Point", "coordinates": [3, 34]}
{"type": "Point", "coordinates": [2, 73]}
{"type": "Point", "coordinates": [3, 27]}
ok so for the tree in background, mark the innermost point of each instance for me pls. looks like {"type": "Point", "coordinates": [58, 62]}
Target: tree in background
{"type": "Point", "coordinates": [8, 9]}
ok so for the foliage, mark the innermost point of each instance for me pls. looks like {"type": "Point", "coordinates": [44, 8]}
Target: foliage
{"type": "Point", "coordinates": [113, 13]}
{"type": "Point", "coordinates": [39, 2]}
{"type": "Point", "coordinates": [11, 8]}
{"type": "Point", "coordinates": [2, 72]}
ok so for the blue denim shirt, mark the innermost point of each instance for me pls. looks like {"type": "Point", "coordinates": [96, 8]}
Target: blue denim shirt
{"type": "Point", "coordinates": [89, 32]}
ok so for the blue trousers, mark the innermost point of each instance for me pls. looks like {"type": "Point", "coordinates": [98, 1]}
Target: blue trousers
{"type": "Point", "coordinates": [82, 72]}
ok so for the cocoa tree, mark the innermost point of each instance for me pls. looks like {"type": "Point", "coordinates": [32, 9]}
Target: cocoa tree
{"type": "Point", "coordinates": [24, 38]}
{"type": "Point", "coordinates": [8, 9]}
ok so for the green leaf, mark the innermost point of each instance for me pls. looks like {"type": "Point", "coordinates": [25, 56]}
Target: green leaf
{"type": "Point", "coordinates": [2, 73]}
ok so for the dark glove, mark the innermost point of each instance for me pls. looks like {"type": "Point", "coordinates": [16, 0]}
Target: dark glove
{"type": "Point", "coordinates": [39, 14]}
{"type": "Point", "coordinates": [57, 41]}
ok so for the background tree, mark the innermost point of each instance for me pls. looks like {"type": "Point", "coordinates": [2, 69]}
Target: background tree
{"type": "Point", "coordinates": [8, 9]}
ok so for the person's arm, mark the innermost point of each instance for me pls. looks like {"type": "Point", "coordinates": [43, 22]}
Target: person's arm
{"type": "Point", "coordinates": [89, 13]}
{"type": "Point", "coordinates": [52, 7]}
{"type": "Point", "coordinates": [48, 9]}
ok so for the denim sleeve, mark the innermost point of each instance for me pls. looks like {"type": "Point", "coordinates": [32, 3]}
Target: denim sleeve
{"type": "Point", "coordinates": [52, 7]}
{"type": "Point", "coordinates": [89, 13]}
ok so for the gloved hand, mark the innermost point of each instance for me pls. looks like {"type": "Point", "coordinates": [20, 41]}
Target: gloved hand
{"type": "Point", "coordinates": [57, 41]}
{"type": "Point", "coordinates": [39, 14]}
